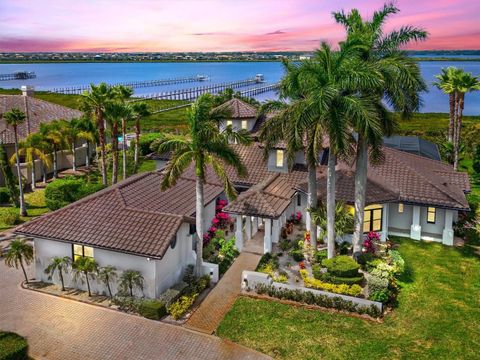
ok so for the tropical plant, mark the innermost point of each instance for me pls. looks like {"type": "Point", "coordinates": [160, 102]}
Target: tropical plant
{"type": "Point", "coordinates": [9, 178]}
{"type": "Point", "coordinates": [83, 268]}
{"type": "Point", "coordinates": [106, 275]}
{"type": "Point", "coordinates": [140, 110]}
{"type": "Point", "coordinates": [60, 265]}
{"type": "Point", "coordinates": [123, 93]}
{"type": "Point", "coordinates": [14, 118]}
{"type": "Point", "coordinates": [74, 130]}
{"type": "Point", "coordinates": [343, 219]}
{"type": "Point", "coordinates": [205, 146]}
{"type": "Point", "coordinates": [446, 83]}
{"type": "Point", "coordinates": [400, 88]}
{"type": "Point", "coordinates": [32, 148]}
{"type": "Point", "coordinates": [53, 134]}
{"type": "Point", "coordinates": [20, 252]}
{"type": "Point", "coordinates": [94, 102]}
{"type": "Point", "coordinates": [130, 280]}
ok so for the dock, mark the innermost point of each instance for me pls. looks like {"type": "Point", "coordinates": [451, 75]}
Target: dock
{"type": "Point", "coordinates": [19, 75]}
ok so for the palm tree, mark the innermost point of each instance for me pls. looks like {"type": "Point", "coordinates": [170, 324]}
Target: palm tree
{"type": "Point", "coordinates": [343, 219]}
{"type": "Point", "coordinates": [60, 265]}
{"type": "Point", "coordinates": [83, 267]}
{"type": "Point", "coordinates": [20, 251]}
{"type": "Point", "coordinates": [94, 101]}
{"type": "Point", "coordinates": [205, 146]}
{"type": "Point", "coordinates": [465, 82]}
{"type": "Point", "coordinates": [130, 280]}
{"type": "Point", "coordinates": [86, 126]}
{"type": "Point", "coordinates": [8, 176]}
{"type": "Point", "coordinates": [14, 118]}
{"type": "Point", "coordinates": [52, 133]}
{"type": "Point", "coordinates": [33, 147]}
{"type": "Point", "coordinates": [123, 93]}
{"type": "Point", "coordinates": [446, 83]}
{"type": "Point", "coordinates": [72, 131]}
{"type": "Point", "coordinates": [106, 275]}
{"type": "Point", "coordinates": [401, 87]}
{"type": "Point", "coordinates": [140, 110]}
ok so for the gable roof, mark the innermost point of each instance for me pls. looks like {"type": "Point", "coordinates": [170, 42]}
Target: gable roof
{"type": "Point", "coordinates": [134, 216]}
{"type": "Point", "coordinates": [239, 109]}
{"type": "Point", "coordinates": [37, 112]}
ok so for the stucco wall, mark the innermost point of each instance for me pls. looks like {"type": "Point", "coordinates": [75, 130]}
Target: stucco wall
{"type": "Point", "coordinates": [399, 220]}
{"type": "Point", "coordinates": [436, 228]}
{"type": "Point", "coordinates": [272, 162]}
{"type": "Point", "coordinates": [237, 124]}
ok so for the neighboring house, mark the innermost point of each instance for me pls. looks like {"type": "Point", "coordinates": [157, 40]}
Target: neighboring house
{"type": "Point", "coordinates": [135, 225]}
{"type": "Point", "coordinates": [36, 112]}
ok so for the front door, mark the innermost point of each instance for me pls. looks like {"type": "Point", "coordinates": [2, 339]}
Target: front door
{"type": "Point", "coordinates": [373, 218]}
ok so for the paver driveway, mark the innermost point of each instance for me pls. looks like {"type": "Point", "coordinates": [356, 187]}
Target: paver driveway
{"type": "Point", "coordinates": [64, 329]}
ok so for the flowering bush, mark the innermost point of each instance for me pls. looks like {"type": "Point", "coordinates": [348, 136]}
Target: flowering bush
{"type": "Point", "coordinates": [301, 264]}
{"type": "Point", "coordinates": [352, 290]}
{"type": "Point", "coordinates": [369, 243]}
{"type": "Point", "coordinates": [296, 218]}
{"type": "Point", "coordinates": [220, 221]}
{"type": "Point", "coordinates": [306, 236]}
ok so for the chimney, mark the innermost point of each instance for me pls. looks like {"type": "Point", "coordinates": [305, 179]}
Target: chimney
{"type": "Point", "coordinates": [28, 90]}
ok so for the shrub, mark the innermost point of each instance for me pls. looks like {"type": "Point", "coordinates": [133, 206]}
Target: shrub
{"type": "Point", "coordinates": [189, 275]}
{"type": "Point", "coordinates": [376, 284]}
{"type": "Point", "coordinates": [152, 309]}
{"type": "Point", "coordinates": [62, 192]}
{"type": "Point", "coordinates": [353, 290]}
{"type": "Point", "coordinates": [169, 296]}
{"type": "Point", "coordinates": [9, 216]}
{"type": "Point", "coordinates": [344, 248]}
{"type": "Point", "coordinates": [297, 255]}
{"type": "Point", "coordinates": [146, 141]}
{"type": "Point", "coordinates": [202, 283]}
{"type": "Point", "coordinates": [317, 271]}
{"type": "Point", "coordinates": [319, 256]}
{"type": "Point", "coordinates": [88, 189]}
{"type": "Point", "coordinates": [383, 296]}
{"type": "Point", "coordinates": [126, 303]}
{"type": "Point", "coordinates": [397, 261]}
{"type": "Point", "coordinates": [341, 266]}
{"type": "Point", "coordinates": [4, 195]}
{"type": "Point", "coordinates": [342, 280]}
{"type": "Point", "coordinates": [285, 244]}
{"type": "Point", "coordinates": [364, 258]}
{"type": "Point", "coordinates": [383, 270]}
{"type": "Point", "coordinates": [308, 297]}
{"type": "Point", "coordinates": [372, 264]}
{"type": "Point", "coordinates": [13, 346]}
{"type": "Point", "coordinates": [181, 306]}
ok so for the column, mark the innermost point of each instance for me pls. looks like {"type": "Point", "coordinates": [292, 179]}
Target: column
{"type": "Point", "coordinates": [416, 229]}
{"type": "Point", "coordinates": [276, 231]}
{"type": "Point", "coordinates": [447, 238]}
{"type": "Point", "coordinates": [267, 239]}
{"type": "Point", "coordinates": [384, 234]}
{"type": "Point", "coordinates": [248, 228]}
{"type": "Point", "coordinates": [254, 226]}
{"type": "Point", "coordinates": [239, 233]}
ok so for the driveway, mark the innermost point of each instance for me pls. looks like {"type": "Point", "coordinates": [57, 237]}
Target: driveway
{"type": "Point", "coordinates": [58, 328]}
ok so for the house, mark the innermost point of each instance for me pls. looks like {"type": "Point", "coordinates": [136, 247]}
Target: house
{"type": "Point", "coordinates": [135, 225]}
{"type": "Point", "coordinates": [36, 112]}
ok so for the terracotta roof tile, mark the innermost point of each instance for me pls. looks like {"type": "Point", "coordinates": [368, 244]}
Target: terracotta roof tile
{"type": "Point", "coordinates": [239, 109]}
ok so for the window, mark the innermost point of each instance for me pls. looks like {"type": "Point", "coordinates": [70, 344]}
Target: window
{"type": "Point", "coordinates": [82, 251]}
{"type": "Point", "coordinates": [229, 122]}
{"type": "Point", "coordinates": [400, 208]}
{"type": "Point", "coordinates": [279, 159]}
{"type": "Point", "coordinates": [373, 218]}
{"type": "Point", "coordinates": [244, 124]}
{"type": "Point", "coordinates": [173, 243]}
{"type": "Point", "coordinates": [431, 213]}
{"type": "Point", "coordinates": [299, 200]}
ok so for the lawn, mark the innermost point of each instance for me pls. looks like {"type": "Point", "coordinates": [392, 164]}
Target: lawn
{"type": "Point", "coordinates": [35, 202]}
{"type": "Point", "coordinates": [437, 317]}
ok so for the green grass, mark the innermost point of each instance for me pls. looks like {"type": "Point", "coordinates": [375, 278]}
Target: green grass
{"type": "Point", "coordinates": [437, 317]}
{"type": "Point", "coordinates": [427, 123]}
{"type": "Point", "coordinates": [13, 346]}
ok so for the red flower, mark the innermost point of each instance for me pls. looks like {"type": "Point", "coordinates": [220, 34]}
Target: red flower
{"type": "Point", "coordinates": [301, 264]}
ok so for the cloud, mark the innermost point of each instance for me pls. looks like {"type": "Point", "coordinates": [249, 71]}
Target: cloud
{"type": "Point", "coordinates": [277, 32]}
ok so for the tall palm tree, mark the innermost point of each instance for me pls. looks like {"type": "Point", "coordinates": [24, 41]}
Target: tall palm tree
{"type": "Point", "coordinates": [86, 126]}
{"type": "Point", "coordinates": [106, 275]}
{"type": "Point", "coordinates": [205, 146]}
{"type": "Point", "coordinates": [83, 268]}
{"type": "Point", "coordinates": [60, 265]}
{"type": "Point", "coordinates": [72, 131]}
{"type": "Point", "coordinates": [20, 252]}
{"type": "Point", "coordinates": [8, 176]}
{"type": "Point", "coordinates": [401, 87]}
{"type": "Point", "coordinates": [124, 93]}
{"type": "Point", "coordinates": [94, 101]}
{"type": "Point", "coordinates": [14, 118]}
{"type": "Point", "coordinates": [130, 280]}
{"type": "Point", "coordinates": [53, 134]}
{"type": "Point", "coordinates": [33, 147]}
{"type": "Point", "coordinates": [446, 83]}
{"type": "Point", "coordinates": [465, 82]}
{"type": "Point", "coordinates": [140, 110]}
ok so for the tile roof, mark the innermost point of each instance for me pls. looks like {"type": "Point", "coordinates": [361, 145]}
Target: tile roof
{"type": "Point", "coordinates": [134, 216]}
{"type": "Point", "coordinates": [37, 111]}
{"type": "Point", "coordinates": [239, 109]}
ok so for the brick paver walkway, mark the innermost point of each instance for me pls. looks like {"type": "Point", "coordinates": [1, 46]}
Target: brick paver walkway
{"type": "Point", "coordinates": [65, 329]}
{"type": "Point", "coordinates": [214, 307]}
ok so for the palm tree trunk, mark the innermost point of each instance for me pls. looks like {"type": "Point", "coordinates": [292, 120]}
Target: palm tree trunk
{"type": "Point", "coordinates": [360, 193]}
{"type": "Point", "coordinates": [101, 135]}
{"type": "Point", "coordinates": [312, 202]}
{"type": "Point", "coordinates": [24, 272]}
{"type": "Point", "coordinates": [61, 279]}
{"type": "Point", "coordinates": [23, 209]}
{"type": "Point", "coordinates": [74, 157]}
{"type": "Point", "coordinates": [34, 175]}
{"type": "Point", "coordinates": [88, 284]}
{"type": "Point", "coordinates": [44, 173]}
{"type": "Point", "coordinates": [452, 117]}
{"type": "Point", "coordinates": [87, 155]}
{"type": "Point", "coordinates": [130, 286]}
{"type": "Point", "coordinates": [55, 164]}
{"type": "Point", "coordinates": [332, 160]}
{"type": "Point", "coordinates": [124, 150]}
{"type": "Point", "coordinates": [137, 147]}
{"type": "Point", "coordinates": [114, 153]}
{"type": "Point", "coordinates": [199, 222]}
{"type": "Point", "coordinates": [461, 103]}
{"type": "Point", "coordinates": [109, 289]}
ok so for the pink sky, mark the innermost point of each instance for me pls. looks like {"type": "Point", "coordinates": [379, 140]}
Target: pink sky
{"type": "Point", "coordinates": [217, 25]}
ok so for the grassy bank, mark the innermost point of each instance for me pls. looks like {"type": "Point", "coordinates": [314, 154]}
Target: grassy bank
{"type": "Point", "coordinates": [437, 317]}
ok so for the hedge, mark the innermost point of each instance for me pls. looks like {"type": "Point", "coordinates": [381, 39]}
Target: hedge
{"type": "Point", "coordinates": [146, 140]}
{"type": "Point", "coordinates": [341, 266]}
{"type": "Point", "coordinates": [9, 216]}
{"type": "Point", "coordinates": [351, 290]}
{"type": "Point", "coordinates": [4, 195]}
{"type": "Point", "coordinates": [62, 192]}
{"type": "Point", "coordinates": [152, 309]}
{"type": "Point", "coordinates": [13, 346]}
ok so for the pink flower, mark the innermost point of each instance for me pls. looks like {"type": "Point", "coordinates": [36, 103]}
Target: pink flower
{"type": "Point", "coordinates": [222, 202]}
{"type": "Point", "coordinates": [215, 221]}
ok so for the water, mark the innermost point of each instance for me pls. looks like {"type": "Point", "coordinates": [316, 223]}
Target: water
{"type": "Point", "coordinates": [54, 75]}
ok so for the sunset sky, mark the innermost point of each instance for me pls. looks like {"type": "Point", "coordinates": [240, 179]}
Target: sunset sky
{"type": "Point", "coordinates": [217, 25]}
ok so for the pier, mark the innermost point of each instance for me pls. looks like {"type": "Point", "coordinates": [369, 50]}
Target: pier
{"type": "Point", "coordinates": [19, 75]}
{"type": "Point", "coordinates": [135, 84]}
